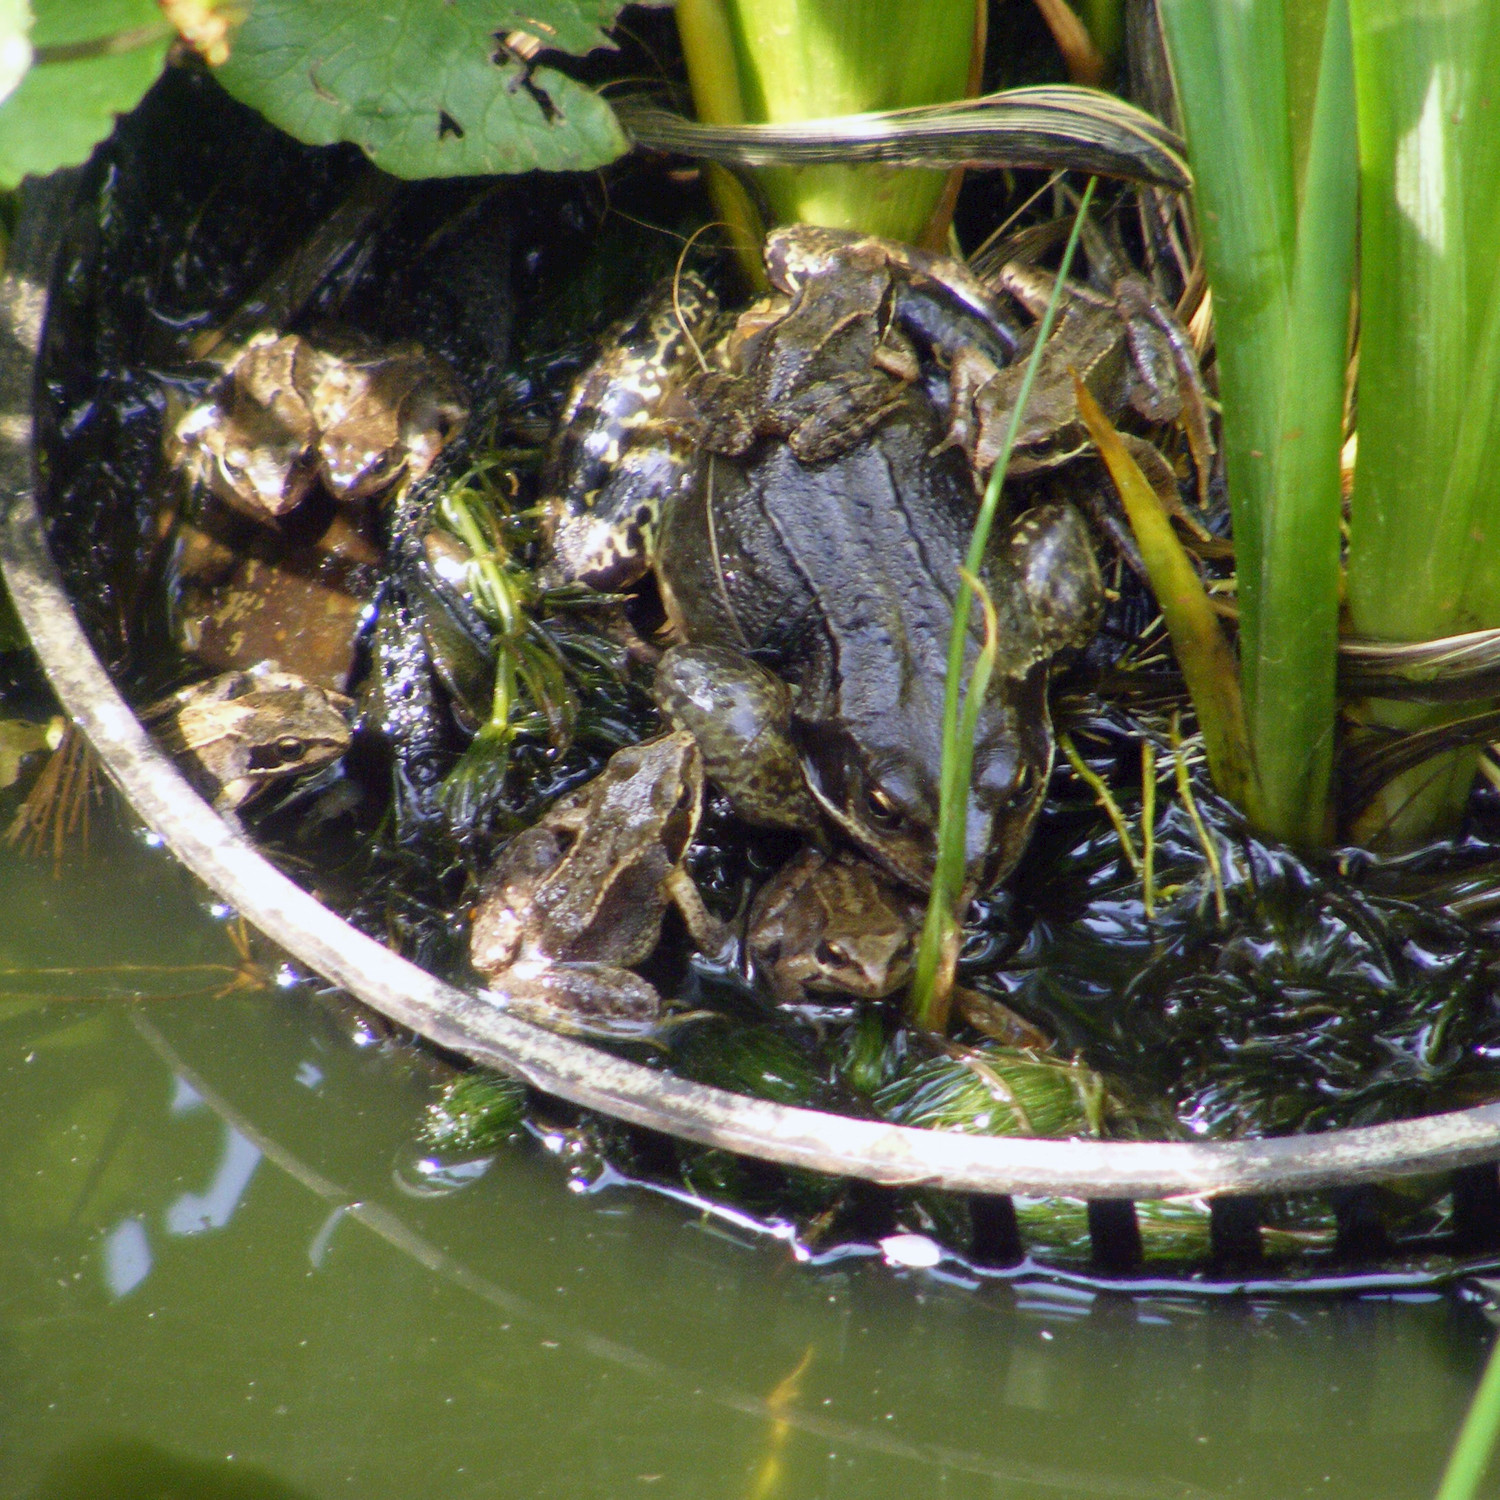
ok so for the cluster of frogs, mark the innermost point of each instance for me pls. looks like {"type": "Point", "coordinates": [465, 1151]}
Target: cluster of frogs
{"type": "Point", "coordinates": [801, 481]}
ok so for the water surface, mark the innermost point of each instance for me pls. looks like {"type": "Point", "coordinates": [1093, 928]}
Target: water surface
{"type": "Point", "coordinates": [222, 1275]}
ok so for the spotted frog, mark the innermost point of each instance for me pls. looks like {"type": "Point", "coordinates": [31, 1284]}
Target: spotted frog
{"type": "Point", "coordinates": [290, 414]}
{"type": "Point", "coordinates": [835, 569]}
{"type": "Point", "coordinates": [579, 897]}
{"type": "Point", "coordinates": [242, 732]}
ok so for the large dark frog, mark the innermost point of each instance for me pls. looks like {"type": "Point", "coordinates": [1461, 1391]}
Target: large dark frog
{"type": "Point", "coordinates": [806, 524]}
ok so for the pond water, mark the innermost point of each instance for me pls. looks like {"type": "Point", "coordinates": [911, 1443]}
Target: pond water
{"type": "Point", "coordinates": [222, 1275]}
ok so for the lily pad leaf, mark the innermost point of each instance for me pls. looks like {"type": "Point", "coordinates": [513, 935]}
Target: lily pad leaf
{"type": "Point", "coordinates": [93, 60]}
{"type": "Point", "coordinates": [430, 88]}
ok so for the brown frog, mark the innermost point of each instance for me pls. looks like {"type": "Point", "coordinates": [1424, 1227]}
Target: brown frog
{"type": "Point", "coordinates": [1123, 341]}
{"type": "Point", "coordinates": [832, 923]}
{"type": "Point", "coordinates": [823, 363]}
{"type": "Point", "coordinates": [289, 414]}
{"type": "Point", "coordinates": [579, 897]}
{"type": "Point", "coordinates": [242, 732]}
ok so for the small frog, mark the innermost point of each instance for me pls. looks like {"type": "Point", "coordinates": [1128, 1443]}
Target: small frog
{"type": "Point", "coordinates": [832, 923]}
{"type": "Point", "coordinates": [289, 414]}
{"type": "Point", "coordinates": [580, 896]}
{"type": "Point", "coordinates": [242, 732]}
{"type": "Point", "coordinates": [823, 364]}
{"type": "Point", "coordinates": [1127, 347]}
{"type": "Point", "coordinates": [380, 417]}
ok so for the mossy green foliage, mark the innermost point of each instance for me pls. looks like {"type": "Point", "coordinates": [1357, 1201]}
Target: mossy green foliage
{"type": "Point", "coordinates": [474, 1113]}
{"type": "Point", "coordinates": [996, 1091]}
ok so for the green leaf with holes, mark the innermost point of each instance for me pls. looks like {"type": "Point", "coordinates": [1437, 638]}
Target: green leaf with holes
{"type": "Point", "coordinates": [93, 60]}
{"type": "Point", "coordinates": [430, 88]}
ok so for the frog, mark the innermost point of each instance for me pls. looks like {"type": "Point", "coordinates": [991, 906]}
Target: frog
{"type": "Point", "coordinates": [578, 898]}
{"type": "Point", "coordinates": [1124, 343]}
{"type": "Point", "coordinates": [240, 733]}
{"type": "Point", "coordinates": [290, 415]}
{"type": "Point", "coordinates": [822, 362]}
{"type": "Point", "coordinates": [838, 574]}
{"type": "Point", "coordinates": [832, 922]}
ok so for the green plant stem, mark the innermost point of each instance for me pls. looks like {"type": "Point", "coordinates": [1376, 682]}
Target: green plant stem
{"type": "Point", "coordinates": [1475, 1446]}
{"type": "Point", "coordinates": [1148, 829]}
{"type": "Point", "coordinates": [1424, 551]}
{"type": "Point", "coordinates": [928, 1001]}
{"type": "Point", "coordinates": [1275, 166]}
{"type": "Point", "coordinates": [785, 60]}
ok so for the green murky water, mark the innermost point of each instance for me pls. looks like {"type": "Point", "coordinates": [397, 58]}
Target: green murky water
{"type": "Point", "coordinates": [220, 1275]}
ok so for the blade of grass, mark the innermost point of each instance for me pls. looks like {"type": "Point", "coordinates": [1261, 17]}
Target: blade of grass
{"type": "Point", "coordinates": [1476, 1438]}
{"type": "Point", "coordinates": [1052, 126]}
{"type": "Point", "coordinates": [927, 1002]}
{"type": "Point", "coordinates": [1202, 649]}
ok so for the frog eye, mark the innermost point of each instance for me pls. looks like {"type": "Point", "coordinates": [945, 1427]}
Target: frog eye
{"type": "Point", "coordinates": [289, 749]}
{"type": "Point", "coordinates": [881, 809]}
{"type": "Point", "coordinates": [1023, 785]}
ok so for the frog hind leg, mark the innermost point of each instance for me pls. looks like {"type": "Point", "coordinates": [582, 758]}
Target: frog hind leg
{"type": "Point", "coordinates": [592, 997]}
{"type": "Point", "coordinates": [606, 539]}
{"type": "Point", "coordinates": [1166, 383]}
{"type": "Point", "coordinates": [1059, 576]}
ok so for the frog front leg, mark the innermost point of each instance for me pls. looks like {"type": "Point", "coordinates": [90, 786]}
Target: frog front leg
{"type": "Point", "coordinates": [819, 419]}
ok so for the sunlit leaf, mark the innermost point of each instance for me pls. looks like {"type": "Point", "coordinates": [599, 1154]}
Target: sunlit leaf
{"type": "Point", "coordinates": [15, 44]}
{"type": "Point", "coordinates": [94, 60]}
{"type": "Point", "coordinates": [428, 89]}
{"type": "Point", "coordinates": [1202, 649]}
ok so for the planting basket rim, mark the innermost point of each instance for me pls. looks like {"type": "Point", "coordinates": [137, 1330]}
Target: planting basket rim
{"type": "Point", "coordinates": [567, 1068]}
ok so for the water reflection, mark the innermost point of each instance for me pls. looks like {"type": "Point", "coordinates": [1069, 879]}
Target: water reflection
{"type": "Point", "coordinates": [127, 1257]}
{"type": "Point", "coordinates": [195, 1213]}
{"type": "Point", "coordinates": [344, 1335]}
